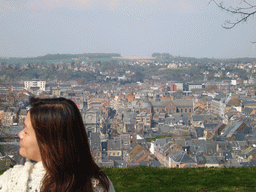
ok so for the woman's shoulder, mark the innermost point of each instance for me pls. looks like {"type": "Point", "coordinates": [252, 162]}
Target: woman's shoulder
{"type": "Point", "coordinates": [14, 169]}
{"type": "Point", "coordinates": [17, 173]}
{"type": "Point", "coordinates": [8, 175]}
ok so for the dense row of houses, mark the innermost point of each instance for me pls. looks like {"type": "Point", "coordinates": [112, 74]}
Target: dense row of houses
{"type": "Point", "coordinates": [150, 124]}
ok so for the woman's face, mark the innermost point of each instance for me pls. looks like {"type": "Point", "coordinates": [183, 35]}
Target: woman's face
{"type": "Point", "coordinates": [28, 144]}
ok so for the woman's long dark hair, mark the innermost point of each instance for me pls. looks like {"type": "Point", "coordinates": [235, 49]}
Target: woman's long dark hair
{"type": "Point", "coordinates": [64, 146]}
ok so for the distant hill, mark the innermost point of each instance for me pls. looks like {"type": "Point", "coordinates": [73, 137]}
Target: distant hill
{"type": "Point", "coordinates": [49, 58]}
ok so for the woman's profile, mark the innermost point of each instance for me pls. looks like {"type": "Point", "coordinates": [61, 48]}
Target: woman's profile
{"type": "Point", "coordinates": [54, 136]}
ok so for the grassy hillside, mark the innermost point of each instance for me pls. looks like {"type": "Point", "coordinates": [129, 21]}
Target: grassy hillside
{"type": "Point", "coordinates": [146, 179]}
{"type": "Point", "coordinates": [191, 179]}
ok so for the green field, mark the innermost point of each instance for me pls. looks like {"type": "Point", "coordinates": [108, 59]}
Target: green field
{"type": "Point", "coordinates": [25, 61]}
{"type": "Point", "coordinates": [189, 179]}
{"type": "Point", "coordinates": [51, 58]}
{"type": "Point", "coordinates": [146, 179]}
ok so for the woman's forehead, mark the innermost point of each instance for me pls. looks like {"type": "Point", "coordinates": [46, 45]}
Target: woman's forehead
{"type": "Point", "coordinates": [27, 120]}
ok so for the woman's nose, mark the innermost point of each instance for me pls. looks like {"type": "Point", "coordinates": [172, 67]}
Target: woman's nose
{"type": "Point", "coordinates": [20, 134]}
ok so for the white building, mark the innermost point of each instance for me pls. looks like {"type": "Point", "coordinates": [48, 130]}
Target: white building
{"type": "Point", "coordinates": [195, 86]}
{"type": "Point", "coordinates": [233, 82]}
{"type": "Point", "coordinates": [179, 86]}
{"type": "Point", "coordinates": [35, 86]}
{"type": "Point", "coordinates": [218, 106]}
{"type": "Point", "coordinates": [172, 66]}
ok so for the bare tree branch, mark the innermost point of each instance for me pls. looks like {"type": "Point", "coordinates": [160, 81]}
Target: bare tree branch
{"type": "Point", "coordinates": [245, 11]}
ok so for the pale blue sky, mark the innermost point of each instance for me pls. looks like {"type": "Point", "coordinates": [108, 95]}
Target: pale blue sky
{"type": "Point", "coordinates": [130, 27]}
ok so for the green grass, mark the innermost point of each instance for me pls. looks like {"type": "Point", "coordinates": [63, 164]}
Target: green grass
{"type": "Point", "coordinates": [189, 179]}
{"type": "Point", "coordinates": [146, 179]}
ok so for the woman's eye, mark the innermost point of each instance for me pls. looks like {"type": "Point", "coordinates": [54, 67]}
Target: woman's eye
{"type": "Point", "coordinates": [24, 130]}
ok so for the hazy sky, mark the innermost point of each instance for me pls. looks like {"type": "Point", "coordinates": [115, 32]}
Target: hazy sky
{"type": "Point", "coordinates": [129, 27]}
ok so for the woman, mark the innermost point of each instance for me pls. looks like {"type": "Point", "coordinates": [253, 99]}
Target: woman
{"type": "Point", "coordinates": [55, 138]}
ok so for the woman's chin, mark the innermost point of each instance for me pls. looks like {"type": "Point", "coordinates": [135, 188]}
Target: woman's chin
{"type": "Point", "coordinates": [21, 152]}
